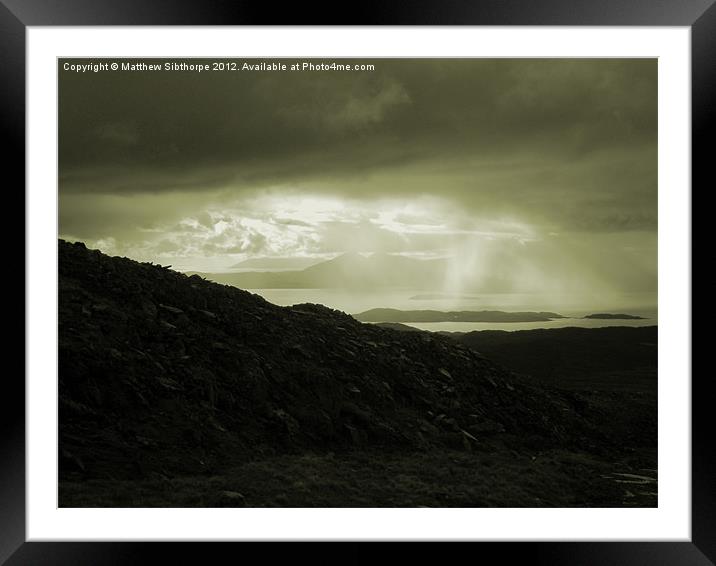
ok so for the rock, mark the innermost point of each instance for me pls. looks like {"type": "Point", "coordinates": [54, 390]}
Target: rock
{"type": "Point", "coordinates": [429, 429]}
{"type": "Point", "coordinates": [356, 436]}
{"type": "Point", "coordinates": [114, 353]}
{"type": "Point", "coordinates": [168, 383]}
{"type": "Point", "coordinates": [455, 440]}
{"type": "Point", "coordinates": [149, 308]}
{"type": "Point", "coordinates": [71, 461]}
{"type": "Point", "coordinates": [469, 441]}
{"type": "Point", "coordinates": [287, 423]}
{"type": "Point", "coordinates": [445, 373]}
{"type": "Point", "coordinates": [486, 427]}
{"type": "Point", "coordinates": [171, 309]}
{"type": "Point", "coordinates": [231, 499]}
{"type": "Point", "coordinates": [636, 477]}
{"type": "Point", "coordinates": [145, 441]}
{"type": "Point", "coordinates": [299, 350]}
{"type": "Point", "coordinates": [75, 407]}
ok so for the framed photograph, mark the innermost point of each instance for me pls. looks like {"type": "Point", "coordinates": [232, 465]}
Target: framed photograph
{"type": "Point", "coordinates": [421, 276]}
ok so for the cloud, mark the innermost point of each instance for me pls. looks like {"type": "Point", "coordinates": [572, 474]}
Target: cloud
{"type": "Point", "coordinates": [118, 133]}
{"type": "Point", "coordinates": [419, 156]}
{"type": "Point", "coordinates": [369, 109]}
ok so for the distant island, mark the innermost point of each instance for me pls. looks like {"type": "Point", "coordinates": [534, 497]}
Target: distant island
{"type": "Point", "coordinates": [395, 315]}
{"type": "Point", "coordinates": [399, 326]}
{"type": "Point", "coordinates": [438, 297]}
{"type": "Point", "coordinates": [610, 316]}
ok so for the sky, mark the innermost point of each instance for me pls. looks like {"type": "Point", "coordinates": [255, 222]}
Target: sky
{"type": "Point", "coordinates": [545, 168]}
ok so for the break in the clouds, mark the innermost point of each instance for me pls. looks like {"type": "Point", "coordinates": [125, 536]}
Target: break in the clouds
{"type": "Point", "coordinates": [549, 162]}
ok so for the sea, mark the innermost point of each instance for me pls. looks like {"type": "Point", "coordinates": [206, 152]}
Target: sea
{"type": "Point", "coordinates": [572, 306]}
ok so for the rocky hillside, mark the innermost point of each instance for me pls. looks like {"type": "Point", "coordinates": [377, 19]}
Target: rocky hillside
{"type": "Point", "coordinates": [160, 372]}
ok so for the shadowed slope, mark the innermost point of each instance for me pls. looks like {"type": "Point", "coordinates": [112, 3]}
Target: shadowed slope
{"type": "Point", "coordinates": [157, 366]}
{"type": "Point", "coordinates": [175, 391]}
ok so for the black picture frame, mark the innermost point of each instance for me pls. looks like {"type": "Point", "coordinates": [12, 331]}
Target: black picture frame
{"type": "Point", "coordinates": [17, 15]}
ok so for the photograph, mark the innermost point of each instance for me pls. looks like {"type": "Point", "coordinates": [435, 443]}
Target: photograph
{"type": "Point", "coordinates": [396, 282]}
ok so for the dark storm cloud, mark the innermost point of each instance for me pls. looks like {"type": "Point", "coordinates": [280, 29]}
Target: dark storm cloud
{"type": "Point", "coordinates": [156, 160]}
{"type": "Point", "coordinates": [143, 132]}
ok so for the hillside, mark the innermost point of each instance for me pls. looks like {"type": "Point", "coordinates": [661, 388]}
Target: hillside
{"type": "Point", "coordinates": [611, 358]}
{"type": "Point", "coordinates": [170, 385]}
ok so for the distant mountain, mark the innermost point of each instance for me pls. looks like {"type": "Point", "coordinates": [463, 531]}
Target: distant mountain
{"type": "Point", "coordinates": [439, 297]}
{"type": "Point", "coordinates": [276, 263]}
{"type": "Point", "coordinates": [377, 271]}
{"type": "Point", "coordinates": [609, 316]}
{"type": "Point", "coordinates": [347, 271]}
{"type": "Point", "coordinates": [290, 279]}
{"type": "Point", "coordinates": [395, 315]}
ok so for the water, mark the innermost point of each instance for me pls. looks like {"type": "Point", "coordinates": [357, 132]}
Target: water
{"type": "Point", "coordinates": [575, 306]}
{"type": "Point", "coordinates": [560, 323]}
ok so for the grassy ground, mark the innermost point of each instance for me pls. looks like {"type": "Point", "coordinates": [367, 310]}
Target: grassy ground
{"type": "Point", "coordinates": [501, 471]}
{"type": "Point", "coordinates": [500, 478]}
